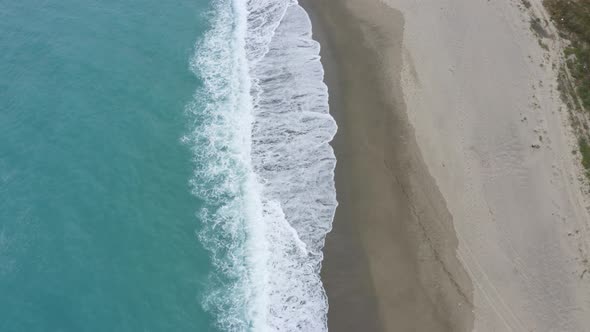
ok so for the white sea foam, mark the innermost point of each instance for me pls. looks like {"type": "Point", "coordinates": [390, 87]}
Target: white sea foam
{"type": "Point", "coordinates": [263, 165]}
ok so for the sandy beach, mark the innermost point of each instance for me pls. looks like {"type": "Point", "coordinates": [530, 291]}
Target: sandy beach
{"type": "Point", "coordinates": [462, 206]}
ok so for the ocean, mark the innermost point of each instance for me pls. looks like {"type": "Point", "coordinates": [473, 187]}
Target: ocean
{"type": "Point", "coordinates": [163, 166]}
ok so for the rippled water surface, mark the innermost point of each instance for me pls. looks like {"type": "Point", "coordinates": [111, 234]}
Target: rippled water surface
{"type": "Point", "coordinates": [164, 166]}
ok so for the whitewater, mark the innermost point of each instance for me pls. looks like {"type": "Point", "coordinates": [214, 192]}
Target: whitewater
{"type": "Point", "coordinates": [259, 132]}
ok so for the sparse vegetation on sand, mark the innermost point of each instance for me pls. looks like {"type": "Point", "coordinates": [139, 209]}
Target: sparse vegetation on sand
{"type": "Point", "coordinates": [572, 18]}
{"type": "Point", "coordinates": [585, 151]}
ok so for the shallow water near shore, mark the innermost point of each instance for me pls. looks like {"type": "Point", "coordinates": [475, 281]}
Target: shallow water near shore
{"type": "Point", "coordinates": [265, 168]}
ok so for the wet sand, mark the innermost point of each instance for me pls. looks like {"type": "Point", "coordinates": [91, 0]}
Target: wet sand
{"type": "Point", "coordinates": [390, 262]}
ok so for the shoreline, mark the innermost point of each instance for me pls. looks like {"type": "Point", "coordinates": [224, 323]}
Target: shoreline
{"type": "Point", "coordinates": [390, 260]}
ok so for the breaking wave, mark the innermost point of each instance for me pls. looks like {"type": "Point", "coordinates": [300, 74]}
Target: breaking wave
{"type": "Point", "coordinates": [260, 133]}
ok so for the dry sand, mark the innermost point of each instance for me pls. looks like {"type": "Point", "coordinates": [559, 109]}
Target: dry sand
{"type": "Point", "coordinates": [482, 95]}
{"type": "Point", "coordinates": [460, 199]}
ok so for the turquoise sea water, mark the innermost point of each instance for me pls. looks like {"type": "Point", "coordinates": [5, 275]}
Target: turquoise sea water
{"type": "Point", "coordinates": [97, 226]}
{"type": "Point", "coordinates": [163, 166]}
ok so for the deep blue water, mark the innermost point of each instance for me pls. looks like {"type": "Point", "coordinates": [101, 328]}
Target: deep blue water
{"type": "Point", "coordinates": [97, 221]}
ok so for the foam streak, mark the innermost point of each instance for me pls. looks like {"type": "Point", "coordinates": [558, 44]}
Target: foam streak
{"type": "Point", "coordinates": [263, 165]}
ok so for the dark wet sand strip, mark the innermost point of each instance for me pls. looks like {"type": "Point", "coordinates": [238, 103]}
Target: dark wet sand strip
{"type": "Point", "coordinates": [390, 262]}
